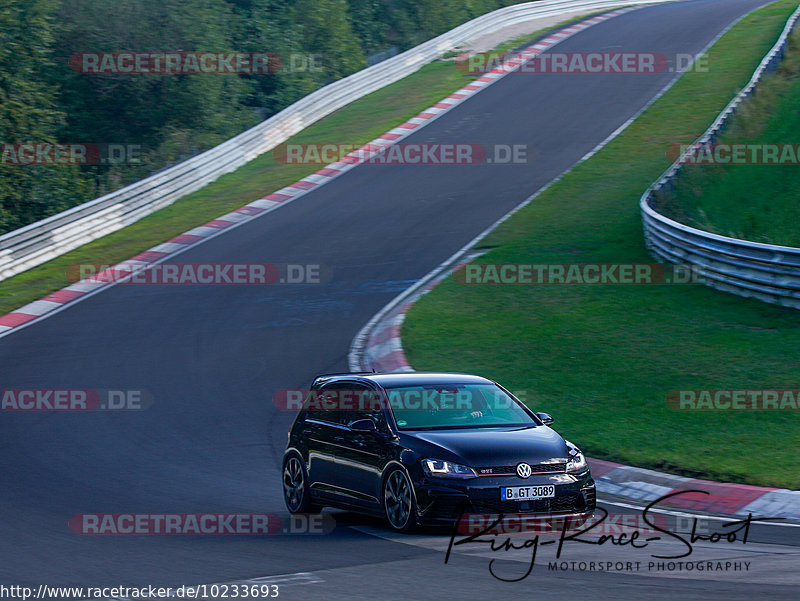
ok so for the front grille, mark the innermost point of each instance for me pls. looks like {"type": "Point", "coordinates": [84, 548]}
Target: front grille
{"type": "Point", "coordinates": [498, 506]}
{"type": "Point", "coordinates": [571, 503]}
{"type": "Point", "coordinates": [538, 468]}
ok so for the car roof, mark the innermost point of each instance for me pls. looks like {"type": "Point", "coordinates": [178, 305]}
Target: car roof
{"type": "Point", "coordinates": [394, 380]}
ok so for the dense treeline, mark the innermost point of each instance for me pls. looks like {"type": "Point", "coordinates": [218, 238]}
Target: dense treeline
{"type": "Point", "coordinates": [169, 118]}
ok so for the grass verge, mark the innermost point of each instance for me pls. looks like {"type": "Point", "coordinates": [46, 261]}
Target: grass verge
{"type": "Point", "coordinates": [757, 202]}
{"type": "Point", "coordinates": [602, 358]}
{"type": "Point", "coordinates": [357, 123]}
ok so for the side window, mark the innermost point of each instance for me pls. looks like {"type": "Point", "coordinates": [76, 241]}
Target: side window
{"type": "Point", "coordinates": [368, 406]}
{"type": "Point", "coordinates": [321, 405]}
{"type": "Point", "coordinates": [343, 403]}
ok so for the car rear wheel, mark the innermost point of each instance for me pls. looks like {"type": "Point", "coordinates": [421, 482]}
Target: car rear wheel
{"type": "Point", "coordinates": [295, 487]}
{"type": "Point", "coordinates": [398, 501]}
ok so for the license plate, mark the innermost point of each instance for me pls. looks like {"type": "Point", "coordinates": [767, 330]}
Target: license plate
{"type": "Point", "coordinates": [527, 493]}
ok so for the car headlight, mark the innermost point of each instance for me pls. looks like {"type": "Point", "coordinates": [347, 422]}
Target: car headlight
{"type": "Point", "coordinates": [447, 469]}
{"type": "Point", "coordinates": [576, 461]}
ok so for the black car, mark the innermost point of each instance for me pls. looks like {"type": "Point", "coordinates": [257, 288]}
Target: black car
{"type": "Point", "coordinates": [425, 448]}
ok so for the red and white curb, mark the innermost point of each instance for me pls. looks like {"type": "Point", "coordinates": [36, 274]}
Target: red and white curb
{"type": "Point", "coordinates": [57, 301]}
{"type": "Point", "coordinates": [723, 498]}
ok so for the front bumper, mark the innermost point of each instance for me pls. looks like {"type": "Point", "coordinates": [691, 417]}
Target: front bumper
{"type": "Point", "coordinates": [443, 501]}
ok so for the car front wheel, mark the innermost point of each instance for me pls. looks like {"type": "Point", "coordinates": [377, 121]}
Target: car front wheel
{"type": "Point", "coordinates": [398, 501]}
{"type": "Point", "coordinates": [295, 487]}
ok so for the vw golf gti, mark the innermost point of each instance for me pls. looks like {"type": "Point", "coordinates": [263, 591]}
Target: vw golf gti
{"type": "Point", "coordinates": [427, 448]}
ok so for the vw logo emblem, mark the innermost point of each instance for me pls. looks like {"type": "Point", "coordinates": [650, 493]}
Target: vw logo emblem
{"type": "Point", "coordinates": [523, 470]}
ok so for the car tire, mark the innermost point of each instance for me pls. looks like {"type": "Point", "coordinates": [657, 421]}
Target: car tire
{"type": "Point", "coordinates": [399, 504]}
{"type": "Point", "coordinates": [296, 493]}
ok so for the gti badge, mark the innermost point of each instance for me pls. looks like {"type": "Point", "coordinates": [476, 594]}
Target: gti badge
{"type": "Point", "coordinates": [523, 470]}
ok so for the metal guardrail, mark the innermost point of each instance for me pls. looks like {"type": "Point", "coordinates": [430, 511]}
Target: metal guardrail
{"type": "Point", "coordinates": [767, 272]}
{"type": "Point", "coordinates": [41, 241]}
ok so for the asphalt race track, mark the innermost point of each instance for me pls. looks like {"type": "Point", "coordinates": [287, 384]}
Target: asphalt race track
{"type": "Point", "coordinates": [211, 357]}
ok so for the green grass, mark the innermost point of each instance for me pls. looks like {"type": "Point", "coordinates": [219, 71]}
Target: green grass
{"type": "Point", "coordinates": [357, 123]}
{"type": "Point", "coordinates": [603, 358]}
{"type": "Point", "coordinates": [754, 202]}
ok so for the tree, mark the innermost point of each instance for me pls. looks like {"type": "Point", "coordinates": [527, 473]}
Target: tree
{"type": "Point", "coordinates": [29, 115]}
{"type": "Point", "coordinates": [171, 116]}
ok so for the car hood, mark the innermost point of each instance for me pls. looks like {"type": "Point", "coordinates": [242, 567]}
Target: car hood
{"type": "Point", "coordinates": [487, 447]}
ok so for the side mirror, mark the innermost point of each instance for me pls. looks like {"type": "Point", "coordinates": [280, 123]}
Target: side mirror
{"type": "Point", "coordinates": [546, 418]}
{"type": "Point", "coordinates": [363, 425]}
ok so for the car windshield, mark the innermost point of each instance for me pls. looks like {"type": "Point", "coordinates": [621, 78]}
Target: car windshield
{"type": "Point", "coordinates": [455, 406]}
